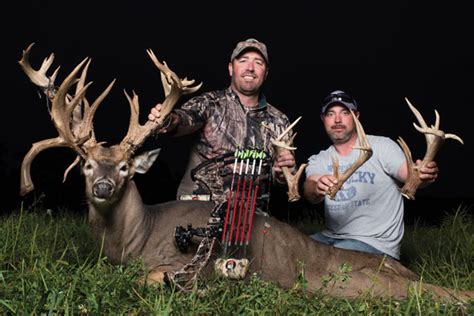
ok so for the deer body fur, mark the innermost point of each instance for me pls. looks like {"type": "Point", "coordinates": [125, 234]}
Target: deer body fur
{"type": "Point", "coordinates": [278, 252]}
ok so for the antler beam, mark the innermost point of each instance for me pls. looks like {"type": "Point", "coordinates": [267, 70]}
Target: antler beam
{"type": "Point", "coordinates": [364, 155]}
{"type": "Point", "coordinates": [434, 140]}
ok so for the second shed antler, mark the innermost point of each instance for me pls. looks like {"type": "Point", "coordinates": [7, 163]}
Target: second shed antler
{"type": "Point", "coordinates": [434, 139]}
{"type": "Point", "coordinates": [364, 155]}
{"type": "Point", "coordinates": [291, 179]}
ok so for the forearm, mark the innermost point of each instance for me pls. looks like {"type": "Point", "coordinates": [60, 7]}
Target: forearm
{"type": "Point", "coordinates": [184, 123]}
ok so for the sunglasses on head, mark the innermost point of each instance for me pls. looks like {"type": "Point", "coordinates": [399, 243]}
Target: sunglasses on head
{"type": "Point", "coordinates": [340, 96]}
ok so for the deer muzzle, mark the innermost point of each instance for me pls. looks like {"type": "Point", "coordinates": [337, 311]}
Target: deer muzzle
{"type": "Point", "coordinates": [103, 189]}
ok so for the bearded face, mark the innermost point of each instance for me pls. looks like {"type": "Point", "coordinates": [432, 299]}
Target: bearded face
{"type": "Point", "coordinates": [248, 72]}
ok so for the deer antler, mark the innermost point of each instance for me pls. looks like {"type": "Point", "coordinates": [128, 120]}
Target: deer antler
{"type": "Point", "coordinates": [434, 139]}
{"type": "Point", "coordinates": [364, 155]}
{"type": "Point", "coordinates": [39, 77]}
{"type": "Point", "coordinates": [73, 133]}
{"type": "Point", "coordinates": [291, 180]}
{"type": "Point", "coordinates": [174, 88]}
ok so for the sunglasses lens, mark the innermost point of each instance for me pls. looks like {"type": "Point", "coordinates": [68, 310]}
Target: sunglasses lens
{"type": "Point", "coordinates": [338, 97]}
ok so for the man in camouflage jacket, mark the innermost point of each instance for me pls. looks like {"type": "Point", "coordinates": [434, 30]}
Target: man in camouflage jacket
{"type": "Point", "coordinates": [233, 118]}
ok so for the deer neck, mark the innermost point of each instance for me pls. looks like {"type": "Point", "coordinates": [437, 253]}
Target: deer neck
{"type": "Point", "coordinates": [122, 226]}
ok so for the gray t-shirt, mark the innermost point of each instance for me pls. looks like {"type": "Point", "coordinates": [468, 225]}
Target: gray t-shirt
{"type": "Point", "coordinates": [369, 207]}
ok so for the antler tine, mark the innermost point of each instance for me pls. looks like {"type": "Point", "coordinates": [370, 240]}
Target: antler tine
{"type": "Point", "coordinates": [137, 133]}
{"type": "Point", "coordinates": [165, 83]}
{"type": "Point", "coordinates": [86, 129]}
{"type": "Point", "coordinates": [364, 155]}
{"type": "Point", "coordinates": [363, 142]}
{"type": "Point", "coordinates": [166, 77]}
{"type": "Point", "coordinates": [410, 166]}
{"type": "Point", "coordinates": [61, 109]}
{"type": "Point", "coordinates": [455, 137]}
{"type": "Point", "coordinates": [437, 121]}
{"type": "Point", "coordinates": [288, 129]}
{"type": "Point", "coordinates": [185, 89]}
{"type": "Point", "coordinates": [186, 86]}
{"type": "Point", "coordinates": [418, 116]}
{"type": "Point", "coordinates": [134, 127]}
{"type": "Point", "coordinates": [82, 79]}
{"type": "Point", "coordinates": [292, 139]}
{"type": "Point", "coordinates": [81, 108]}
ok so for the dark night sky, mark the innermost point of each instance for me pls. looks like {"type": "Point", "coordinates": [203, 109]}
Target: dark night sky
{"type": "Point", "coordinates": [379, 52]}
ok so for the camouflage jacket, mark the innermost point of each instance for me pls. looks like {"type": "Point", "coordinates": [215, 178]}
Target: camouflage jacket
{"type": "Point", "coordinates": [225, 125]}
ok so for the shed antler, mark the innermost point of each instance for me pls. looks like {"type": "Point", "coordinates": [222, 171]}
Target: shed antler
{"type": "Point", "coordinates": [173, 87]}
{"type": "Point", "coordinates": [364, 155]}
{"type": "Point", "coordinates": [434, 139]}
{"type": "Point", "coordinates": [291, 180]}
{"type": "Point", "coordinates": [71, 115]}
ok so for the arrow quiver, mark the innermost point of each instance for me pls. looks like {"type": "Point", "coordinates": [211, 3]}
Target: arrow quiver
{"type": "Point", "coordinates": [231, 179]}
{"type": "Point", "coordinates": [239, 185]}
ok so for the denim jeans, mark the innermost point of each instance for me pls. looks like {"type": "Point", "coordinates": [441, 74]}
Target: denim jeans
{"type": "Point", "coordinates": [350, 244]}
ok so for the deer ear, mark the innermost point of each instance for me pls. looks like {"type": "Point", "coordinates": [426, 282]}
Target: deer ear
{"type": "Point", "coordinates": [144, 161]}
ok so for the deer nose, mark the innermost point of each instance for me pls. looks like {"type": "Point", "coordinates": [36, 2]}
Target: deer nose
{"type": "Point", "coordinates": [103, 189]}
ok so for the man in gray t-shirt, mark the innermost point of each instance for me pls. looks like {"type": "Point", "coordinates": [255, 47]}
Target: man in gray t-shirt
{"type": "Point", "coordinates": [367, 213]}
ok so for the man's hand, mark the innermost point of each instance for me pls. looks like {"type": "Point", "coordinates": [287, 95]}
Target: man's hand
{"type": "Point", "coordinates": [316, 186]}
{"type": "Point", "coordinates": [284, 159]}
{"type": "Point", "coordinates": [429, 172]}
{"type": "Point", "coordinates": [324, 183]}
{"type": "Point", "coordinates": [155, 112]}
{"type": "Point", "coordinates": [169, 125]}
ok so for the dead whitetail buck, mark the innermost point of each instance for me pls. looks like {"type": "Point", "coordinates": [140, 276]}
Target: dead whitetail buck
{"type": "Point", "coordinates": [130, 229]}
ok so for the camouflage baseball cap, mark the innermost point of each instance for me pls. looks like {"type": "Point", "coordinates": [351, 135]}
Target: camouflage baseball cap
{"type": "Point", "coordinates": [250, 43]}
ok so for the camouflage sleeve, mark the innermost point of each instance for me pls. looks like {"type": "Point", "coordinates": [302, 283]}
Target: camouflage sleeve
{"type": "Point", "coordinates": [192, 115]}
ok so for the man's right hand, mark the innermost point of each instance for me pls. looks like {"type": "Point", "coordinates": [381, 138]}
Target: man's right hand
{"type": "Point", "coordinates": [169, 125]}
{"type": "Point", "coordinates": [316, 186]}
{"type": "Point", "coordinates": [324, 183]}
{"type": "Point", "coordinates": [155, 112]}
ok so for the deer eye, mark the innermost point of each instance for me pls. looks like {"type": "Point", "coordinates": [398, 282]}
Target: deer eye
{"type": "Point", "coordinates": [88, 166]}
{"type": "Point", "coordinates": [124, 168]}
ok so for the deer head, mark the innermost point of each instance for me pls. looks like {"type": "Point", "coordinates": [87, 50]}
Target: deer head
{"type": "Point", "coordinates": [364, 155]}
{"type": "Point", "coordinates": [291, 179]}
{"type": "Point", "coordinates": [72, 116]}
{"type": "Point", "coordinates": [434, 139]}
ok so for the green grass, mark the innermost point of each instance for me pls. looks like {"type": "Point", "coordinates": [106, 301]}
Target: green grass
{"type": "Point", "coordinates": [50, 265]}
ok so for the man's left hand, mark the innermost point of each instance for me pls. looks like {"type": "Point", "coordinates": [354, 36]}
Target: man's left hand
{"type": "Point", "coordinates": [429, 172]}
{"type": "Point", "coordinates": [284, 159]}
